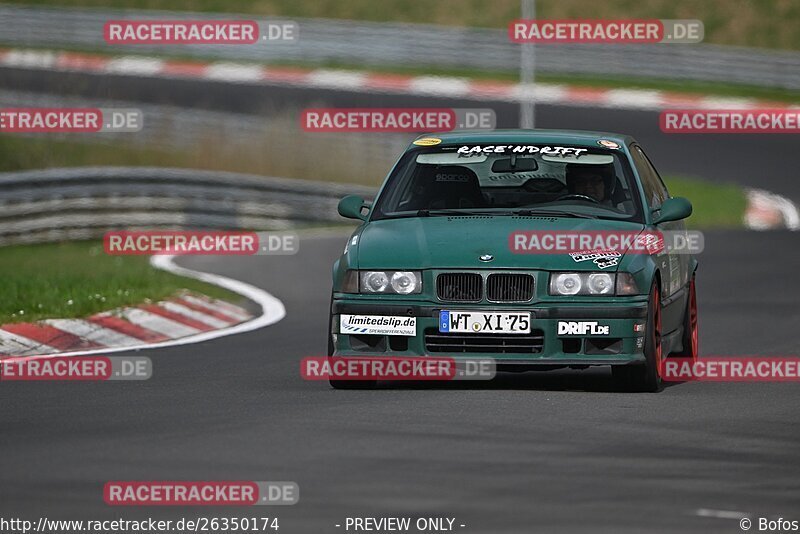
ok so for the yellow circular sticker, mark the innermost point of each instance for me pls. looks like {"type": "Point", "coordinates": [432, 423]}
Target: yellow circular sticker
{"type": "Point", "coordinates": [428, 141]}
{"type": "Point", "coordinates": [608, 144]}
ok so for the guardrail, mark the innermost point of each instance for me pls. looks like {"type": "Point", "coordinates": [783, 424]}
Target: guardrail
{"type": "Point", "coordinates": [82, 203]}
{"type": "Point", "coordinates": [374, 44]}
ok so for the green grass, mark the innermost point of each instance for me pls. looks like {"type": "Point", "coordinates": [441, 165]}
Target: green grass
{"type": "Point", "coordinates": [66, 280]}
{"type": "Point", "coordinates": [760, 23]}
{"type": "Point", "coordinates": [265, 156]}
{"type": "Point", "coordinates": [715, 205]}
{"type": "Point", "coordinates": [22, 153]}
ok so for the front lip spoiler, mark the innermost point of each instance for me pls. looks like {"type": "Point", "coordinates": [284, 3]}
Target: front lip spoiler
{"type": "Point", "coordinates": [519, 362]}
{"type": "Point", "coordinates": [620, 311]}
{"type": "Point", "coordinates": [639, 358]}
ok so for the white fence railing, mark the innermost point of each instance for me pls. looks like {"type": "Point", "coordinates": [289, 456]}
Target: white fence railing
{"type": "Point", "coordinates": [370, 43]}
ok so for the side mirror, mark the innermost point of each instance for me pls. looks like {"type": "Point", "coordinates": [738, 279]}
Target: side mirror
{"type": "Point", "coordinates": [351, 206]}
{"type": "Point", "coordinates": [674, 209]}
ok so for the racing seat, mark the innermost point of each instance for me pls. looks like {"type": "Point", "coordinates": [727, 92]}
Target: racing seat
{"type": "Point", "coordinates": [573, 171]}
{"type": "Point", "coordinates": [621, 198]}
{"type": "Point", "coordinates": [447, 187]}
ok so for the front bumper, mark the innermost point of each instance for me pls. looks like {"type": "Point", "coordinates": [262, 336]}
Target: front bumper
{"type": "Point", "coordinates": [622, 345]}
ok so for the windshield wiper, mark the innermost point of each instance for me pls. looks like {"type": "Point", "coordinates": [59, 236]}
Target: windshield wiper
{"type": "Point", "coordinates": [429, 213]}
{"type": "Point", "coordinates": [523, 212]}
{"type": "Point", "coordinates": [546, 213]}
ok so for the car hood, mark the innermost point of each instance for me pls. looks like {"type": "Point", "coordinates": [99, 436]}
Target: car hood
{"type": "Point", "coordinates": [458, 242]}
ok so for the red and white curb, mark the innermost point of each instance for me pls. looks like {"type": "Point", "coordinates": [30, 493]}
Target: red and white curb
{"type": "Point", "coordinates": [186, 318]}
{"type": "Point", "coordinates": [768, 211]}
{"type": "Point", "coordinates": [141, 66]}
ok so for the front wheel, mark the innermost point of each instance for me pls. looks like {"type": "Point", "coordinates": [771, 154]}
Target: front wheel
{"type": "Point", "coordinates": [647, 377]}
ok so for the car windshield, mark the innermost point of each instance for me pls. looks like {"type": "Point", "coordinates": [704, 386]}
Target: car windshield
{"type": "Point", "coordinates": [569, 181]}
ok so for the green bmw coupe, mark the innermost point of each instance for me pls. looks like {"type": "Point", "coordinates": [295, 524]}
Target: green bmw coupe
{"type": "Point", "coordinates": [520, 246]}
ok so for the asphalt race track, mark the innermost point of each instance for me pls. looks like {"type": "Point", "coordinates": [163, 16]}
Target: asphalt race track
{"type": "Point", "coordinates": [540, 452]}
{"type": "Point", "coordinates": [534, 452]}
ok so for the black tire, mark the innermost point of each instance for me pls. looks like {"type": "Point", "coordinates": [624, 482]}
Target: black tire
{"type": "Point", "coordinates": [647, 377]}
{"type": "Point", "coordinates": [690, 335]}
{"type": "Point", "coordinates": [344, 384]}
{"type": "Point", "coordinates": [330, 327]}
{"type": "Point", "coordinates": [627, 377]}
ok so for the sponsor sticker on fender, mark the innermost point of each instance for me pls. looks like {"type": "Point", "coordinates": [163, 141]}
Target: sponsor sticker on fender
{"type": "Point", "coordinates": [601, 258]}
{"type": "Point", "coordinates": [385, 325]}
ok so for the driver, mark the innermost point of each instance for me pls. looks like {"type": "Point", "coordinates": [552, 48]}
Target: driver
{"type": "Point", "coordinates": [593, 181]}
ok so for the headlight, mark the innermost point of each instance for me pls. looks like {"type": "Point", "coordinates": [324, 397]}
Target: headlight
{"type": "Point", "coordinates": [404, 282]}
{"type": "Point", "coordinates": [600, 284]}
{"type": "Point", "coordinates": [565, 284]}
{"type": "Point", "coordinates": [592, 284]}
{"type": "Point", "coordinates": [400, 282]}
{"type": "Point", "coordinates": [374, 282]}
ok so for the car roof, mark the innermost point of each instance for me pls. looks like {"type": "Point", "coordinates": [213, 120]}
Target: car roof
{"type": "Point", "coordinates": [535, 136]}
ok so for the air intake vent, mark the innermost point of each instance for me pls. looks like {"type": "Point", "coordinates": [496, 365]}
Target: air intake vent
{"type": "Point", "coordinates": [509, 287]}
{"type": "Point", "coordinates": [484, 343]}
{"type": "Point", "coordinates": [459, 287]}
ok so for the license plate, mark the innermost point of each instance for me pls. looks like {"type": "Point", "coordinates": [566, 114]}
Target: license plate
{"type": "Point", "coordinates": [484, 322]}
